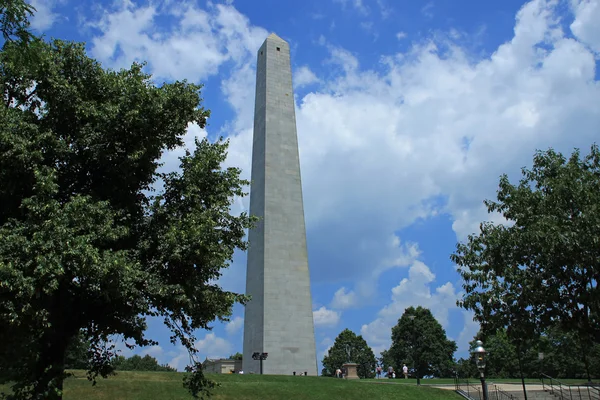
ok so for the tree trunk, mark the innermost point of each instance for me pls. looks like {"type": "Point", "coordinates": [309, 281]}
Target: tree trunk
{"type": "Point", "coordinates": [49, 374]}
{"type": "Point", "coordinates": [586, 361]}
{"type": "Point", "coordinates": [521, 371]}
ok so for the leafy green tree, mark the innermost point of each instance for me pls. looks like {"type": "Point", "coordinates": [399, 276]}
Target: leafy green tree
{"type": "Point", "coordinates": [360, 353]}
{"type": "Point", "coordinates": [562, 355]}
{"type": "Point", "coordinates": [78, 353]}
{"type": "Point", "coordinates": [236, 356]}
{"type": "Point", "coordinates": [86, 246]}
{"type": "Point", "coordinates": [501, 355]}
{"type": "Point", "coordinates": [138, 363]}
{"type": "Point", "coordinates": [385, 360]}
{"type": "Point", "coordinates": [466, 368]}
{"type": "Point", "coordinates": [14, 20]}
{"type": "Point", "coordinates": [542, 268]}
{"type": "Point", "coordinates": [595, 361]}
{"type": "Point", "coordinates": [420, 342]}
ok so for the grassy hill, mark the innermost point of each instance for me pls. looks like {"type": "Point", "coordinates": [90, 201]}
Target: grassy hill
{"type": "Point", "coordinates": [168, 386]}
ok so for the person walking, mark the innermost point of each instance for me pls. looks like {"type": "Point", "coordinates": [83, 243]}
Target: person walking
{"type": "Point", "coordinates": [405, 371]}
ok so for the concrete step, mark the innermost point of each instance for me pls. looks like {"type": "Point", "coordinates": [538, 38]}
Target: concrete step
{"type": "Point", "coordinates": [503, 391]}
{"type": "Point", "coordinates": [575, 393]}
{"type": "Point", "coordinates": [544, 395]}
{"type": "Point", "coordinates": [531, 395]}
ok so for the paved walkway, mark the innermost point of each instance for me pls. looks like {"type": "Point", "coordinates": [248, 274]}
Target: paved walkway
{"type": "Point", "coordinates": [507, 387]}
{"type": "Point", "coordinates": [511, 387]}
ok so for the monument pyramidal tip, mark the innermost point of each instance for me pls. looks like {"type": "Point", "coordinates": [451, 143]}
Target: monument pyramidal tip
{"type": "Point", "coordinates": [278, 319]}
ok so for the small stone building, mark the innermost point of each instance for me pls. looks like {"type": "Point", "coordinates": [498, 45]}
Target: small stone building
{"type": "Point", "coordinates": [221, 366]}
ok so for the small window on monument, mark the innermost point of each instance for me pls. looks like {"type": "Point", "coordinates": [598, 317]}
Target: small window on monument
{"type": "Point", "coordinates": [278, 49]}
{"type": "Point", "coordinates": [261, 53]}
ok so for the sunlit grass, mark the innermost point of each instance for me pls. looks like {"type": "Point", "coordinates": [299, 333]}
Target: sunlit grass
{"type": "Point", "coordinates": [168, 386]}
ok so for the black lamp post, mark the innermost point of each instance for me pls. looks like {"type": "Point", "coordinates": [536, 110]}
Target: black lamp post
{"type": "Point", "coordinates": [479, 353]}
{"type": "Point", "coordinates": [260, 356]}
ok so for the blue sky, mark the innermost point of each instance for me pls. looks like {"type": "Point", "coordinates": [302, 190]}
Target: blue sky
{"type": "Point", "coordinates": [408, 112]}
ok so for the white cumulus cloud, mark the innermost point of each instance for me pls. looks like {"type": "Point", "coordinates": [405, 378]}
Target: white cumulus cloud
{"type": "Point", "coordinates": [303, 76]}
{"type": "Point", "coordinates": [199, 42]}
{"type": "Point", "coordinates": [155, 351]}
{"type": "Point", "coordinates": [412, 291]}
{"type": "Point", "coordinates": [467, 334]}
{"type": "Point", "coordinates": [586, 26]}
{"type": "Point", "coordinates": [344, 299]}
{"type": "Point", "coordinates": [325, 317]}
{"type": "Point", "coordinates": [44, 16]}
{"type": "Point", "coordinates": [211, 346]}
{"type": "Point", "coordinates": [234, 326]}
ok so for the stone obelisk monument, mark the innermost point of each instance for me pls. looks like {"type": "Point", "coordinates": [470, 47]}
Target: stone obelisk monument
{"type": "Point", "coordinates": [278, 320]}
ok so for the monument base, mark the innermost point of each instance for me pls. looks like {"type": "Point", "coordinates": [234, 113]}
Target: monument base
{"type": "Point", "coordinates": [351, 372]}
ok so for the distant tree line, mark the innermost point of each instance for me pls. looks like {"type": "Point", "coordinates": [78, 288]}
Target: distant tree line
{"type": "Point", "coordinates": [78, 357]}
{"type": "Point", "coordinates": [555, 353]}
{"type": "Point", "coordinates": [420, 342]}
{"type": "Point", "coordinates": [137, 363]}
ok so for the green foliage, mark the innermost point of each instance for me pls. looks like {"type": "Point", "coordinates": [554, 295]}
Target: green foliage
{"type": "Point", "coordinates": [466, 368]}
{"type": "Point", "coordinates": [561, 357]}
{"type": "Point", "coordinates": [501, 355]}
{"type": "Point", "coordinates": [385, 360]}
{"type": "Point", "coordinates": [360, 353]}
{"type": "Point", "coordinates": [14, 20]}
{"type": "Point", "coordinates": [421, 344]}
{"type": "Point", "coordinates": [85, 246]}
{"type": "Point", "coordinates": [138, 363]}
{"type": "Point", "coordinates": [236, 356]}
{"type": "Point", "coordinates": [78, 353]}
{"type": "Point", "coordinates": [541, 269]}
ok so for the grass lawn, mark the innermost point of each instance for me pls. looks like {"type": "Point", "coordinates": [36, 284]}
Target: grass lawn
{"type": "Point", "coordinates": [168, 386]}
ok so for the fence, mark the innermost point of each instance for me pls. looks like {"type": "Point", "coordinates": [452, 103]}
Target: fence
{"type": "Point", "coordinates": [472, 390]}
{"type": "Point", "coordinates": [569, 392]}
{"type": "Point", "coordinates": [495, 393]}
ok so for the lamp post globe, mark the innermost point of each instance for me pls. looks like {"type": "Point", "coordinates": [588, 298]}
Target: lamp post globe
{"type": "Point", "coordinates": [480, 359]}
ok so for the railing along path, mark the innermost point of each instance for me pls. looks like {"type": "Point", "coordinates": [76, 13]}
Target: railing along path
{"type": "Point", "coordinates": [565, 391]}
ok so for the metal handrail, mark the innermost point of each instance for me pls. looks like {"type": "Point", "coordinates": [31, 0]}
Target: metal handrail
{"type": "Point", "coordinates": [593, 392]}
{"type": "Point", "coordinates": [495, 393]}
{"type": "Point", "coordinates": [569, 392]}
{"type": "Point", "coordinates": [469, 389]}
